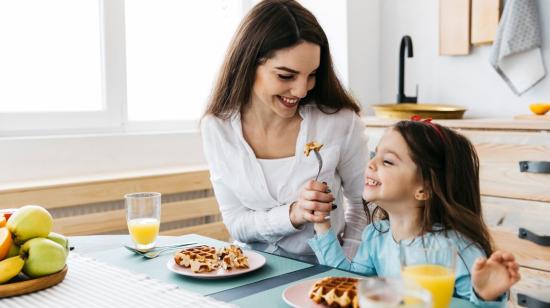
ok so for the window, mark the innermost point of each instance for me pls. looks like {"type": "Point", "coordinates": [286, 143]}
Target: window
{"type": "Point", "coordinates": [105, 65]}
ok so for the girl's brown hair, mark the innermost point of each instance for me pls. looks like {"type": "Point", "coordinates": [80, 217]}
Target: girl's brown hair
{"type": "Point", "coordinates": [270, 26]}
{"type": "Point", "coordinates": [449, 167]}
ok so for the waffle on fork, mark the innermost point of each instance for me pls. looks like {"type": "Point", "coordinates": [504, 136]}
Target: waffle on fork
{"type": "Point", "coordinates": [312, 146]}
{"type": "Point", "coordinates": [202, 259]}
{"type": "Point", "coordinates": [335, 292]}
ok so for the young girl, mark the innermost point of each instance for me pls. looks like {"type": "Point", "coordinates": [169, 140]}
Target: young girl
{"type": "Point", "coordinates": [423, 183]}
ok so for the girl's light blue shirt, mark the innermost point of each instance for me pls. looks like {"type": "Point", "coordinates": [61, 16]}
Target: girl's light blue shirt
{"type": "Point", "coordinates": [378, 255]}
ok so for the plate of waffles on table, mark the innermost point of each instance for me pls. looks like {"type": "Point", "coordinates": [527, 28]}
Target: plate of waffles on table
{"type": "Point", "coordinates": [322, 293]}
{"type": "Point", "coordinates": [209, 262]}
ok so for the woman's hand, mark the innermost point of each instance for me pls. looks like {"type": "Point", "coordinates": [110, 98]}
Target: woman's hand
{"type": "Point", "coordinates": [494, 276]}
{"type": "Point", "coordinates": [313, 204]}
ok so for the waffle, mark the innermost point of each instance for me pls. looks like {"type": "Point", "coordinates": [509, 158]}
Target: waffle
{"type": "Point", "coordinates": [335, 292]}
{"type": "Point", "coordinates": [202, 259]}
{"type": "Point", "coordinates": [232, 257]}
{"type": "Point", "coordinates": [312, 146]}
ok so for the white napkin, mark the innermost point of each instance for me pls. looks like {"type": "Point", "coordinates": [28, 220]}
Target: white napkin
{"type": "Point", "coordinates": [93, 284]}
{"type": "Point", "coordinates": [516, 53]}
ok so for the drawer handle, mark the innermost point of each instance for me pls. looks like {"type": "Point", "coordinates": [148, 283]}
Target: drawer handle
{"type": "Point", "coordinates": [531, 302]}
{"type": "Point", "coordinates": [534, 166]}
{"type": "Point", "coordinates": [530, 236]}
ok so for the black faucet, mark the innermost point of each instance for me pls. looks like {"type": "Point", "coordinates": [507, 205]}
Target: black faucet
{"type": "Point", "coordinates": [406, 43]}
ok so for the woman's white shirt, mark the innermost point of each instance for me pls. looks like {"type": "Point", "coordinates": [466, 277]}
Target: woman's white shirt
{"type": "Point", "coordinates": [278, 171]}
{"type": "Point", "coordinates": [255, 201]}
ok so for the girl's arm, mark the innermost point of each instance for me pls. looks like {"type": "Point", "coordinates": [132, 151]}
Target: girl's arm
{"type": "Point", "coordinates": [329, 252]}
{"type": "Point", "coordinates": [352, 169]}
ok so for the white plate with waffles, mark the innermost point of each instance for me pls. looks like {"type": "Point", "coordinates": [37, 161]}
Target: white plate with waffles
{"type": "Point", "coordinates": [255, 261]}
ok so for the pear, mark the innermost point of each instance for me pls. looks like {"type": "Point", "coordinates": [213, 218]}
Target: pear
{"type": "Point", "coordinates": [28, 222]}
{"type": "Point", "coordinates": [13, 251]}
{"type": "Point", "coordinates": [60, 239]}
{"type": "Point", "coordinates": [42, 257]}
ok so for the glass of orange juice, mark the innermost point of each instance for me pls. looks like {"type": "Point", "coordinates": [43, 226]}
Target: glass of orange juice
{"type": "Point", "coordinates": [432, 267]}
{"type": "Point", "coordinates": [143, 218]}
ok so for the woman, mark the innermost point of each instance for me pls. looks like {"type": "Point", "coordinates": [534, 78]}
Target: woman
{"type": "Point", "coordinates": [277, 91]}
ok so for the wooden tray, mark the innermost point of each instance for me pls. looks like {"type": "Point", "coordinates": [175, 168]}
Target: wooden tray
{"type": "Point", "coordinates": [32, 285]}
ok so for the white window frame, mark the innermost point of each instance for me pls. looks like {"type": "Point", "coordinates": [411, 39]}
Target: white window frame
{"type": "Point", "coordinates": [113, 118]}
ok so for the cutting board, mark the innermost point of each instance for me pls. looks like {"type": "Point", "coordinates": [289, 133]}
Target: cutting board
{"type": "Point", "coordinates": [454, 27]}
{"type": "Point", "coordinates": [485, 18]}
{"type": "Point", "coordinates": [32, 285]}
{"type": "Point", "coordinates": [545, 117]}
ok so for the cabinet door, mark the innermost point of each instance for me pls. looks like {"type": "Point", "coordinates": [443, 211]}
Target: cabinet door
{"type": "Point", "coordinates": [500, 154]}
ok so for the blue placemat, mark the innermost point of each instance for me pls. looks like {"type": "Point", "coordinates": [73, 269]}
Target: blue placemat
{"type": "Point", "coordinates": [156, 268]}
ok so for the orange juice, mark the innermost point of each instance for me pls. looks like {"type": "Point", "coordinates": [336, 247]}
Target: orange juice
{"type": "Point", "coordinates": [437, 279]}
{"type": "Point", "coordinates": [144, 230]}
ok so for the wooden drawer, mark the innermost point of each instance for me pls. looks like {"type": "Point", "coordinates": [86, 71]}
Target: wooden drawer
{"type": "Point", "coordinates": [533, 283]}
{"type": "Point", "coordinates": [504, 218]}
{"type": "Point", "coordinates": [500, 154]}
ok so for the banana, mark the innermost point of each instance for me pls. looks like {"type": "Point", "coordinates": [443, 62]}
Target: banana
{"type": "Point", "coordinates": [10, 267]}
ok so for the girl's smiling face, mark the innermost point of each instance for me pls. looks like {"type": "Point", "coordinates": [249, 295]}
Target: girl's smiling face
{"type": "Point", "coordinates": [391, 176]}
{"type": "Point", "coordinates": [286, 78]}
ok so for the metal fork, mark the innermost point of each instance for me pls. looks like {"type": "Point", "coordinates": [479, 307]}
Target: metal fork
{"type": "Point", "coordinates": [320, 160]}
{"type": "Point", "coordinates": [160, 248]}
{"type": "Point", "coordinates": [155, 253]}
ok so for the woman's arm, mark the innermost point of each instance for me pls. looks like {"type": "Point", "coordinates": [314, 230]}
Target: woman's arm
{"type": "Point", "coordinates": [352, 169]}
{"type": "Point", "coordinates": [246, 225]}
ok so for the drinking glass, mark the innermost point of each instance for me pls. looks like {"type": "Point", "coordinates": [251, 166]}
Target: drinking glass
{"type": "Point", "coordinates": [378, 292]}
{"type": "Point", "coordinates": [432, 267]}
{"type": "Point", "coordinates": [143, 218]}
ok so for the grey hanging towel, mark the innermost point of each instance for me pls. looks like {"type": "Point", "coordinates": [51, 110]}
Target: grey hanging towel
{"type": "Point", "coordinates": [516, 53]}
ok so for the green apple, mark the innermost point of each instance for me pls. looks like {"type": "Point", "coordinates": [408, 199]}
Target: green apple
{"type": "Point", "coordinates": [28, 222]}
{"type": "Point", "coordinates": [42, 257]}
{"type": "Point", "coordinates": [60, 239]}
{"type": "Point", "coordinates": [13, 251]}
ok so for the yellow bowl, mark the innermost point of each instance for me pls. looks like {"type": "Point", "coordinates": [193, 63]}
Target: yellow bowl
{"type": "Point", "coordinates": [539, 109]}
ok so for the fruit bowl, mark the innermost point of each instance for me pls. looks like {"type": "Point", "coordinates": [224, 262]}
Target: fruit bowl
{"type": "Point", "coordinates": [32, 285]}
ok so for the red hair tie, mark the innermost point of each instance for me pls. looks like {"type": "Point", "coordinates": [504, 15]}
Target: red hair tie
{"type": "Point", "coordinates": [428, 121]}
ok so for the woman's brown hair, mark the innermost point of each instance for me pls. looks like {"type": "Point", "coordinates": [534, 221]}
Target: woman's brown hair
{"type": "Point", "coordinates": [449, 167]}
{"type": "Point", "coordinates": [270, 26]}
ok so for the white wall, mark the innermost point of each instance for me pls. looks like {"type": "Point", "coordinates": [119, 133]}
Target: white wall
{"type": "Point", "coordinates": [24, 161]}
{"type": "Point", "coordinates": [463, 80]}
{"type": "Point", "coordinates": [363, 23]}
{"type": "Point", "coordinates": [332, 16]}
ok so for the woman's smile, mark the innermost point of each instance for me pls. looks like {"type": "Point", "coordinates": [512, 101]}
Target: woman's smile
{"type": "Point", "coordinates": [288, 102]}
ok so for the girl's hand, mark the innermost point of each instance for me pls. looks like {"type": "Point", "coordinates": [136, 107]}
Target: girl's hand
{"type": "Point", "coordinates": [494, 276]}
{"type": "Point", "coordinates": [314, 200]}
{"type": "Point", "coordinates": [324, 226]}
